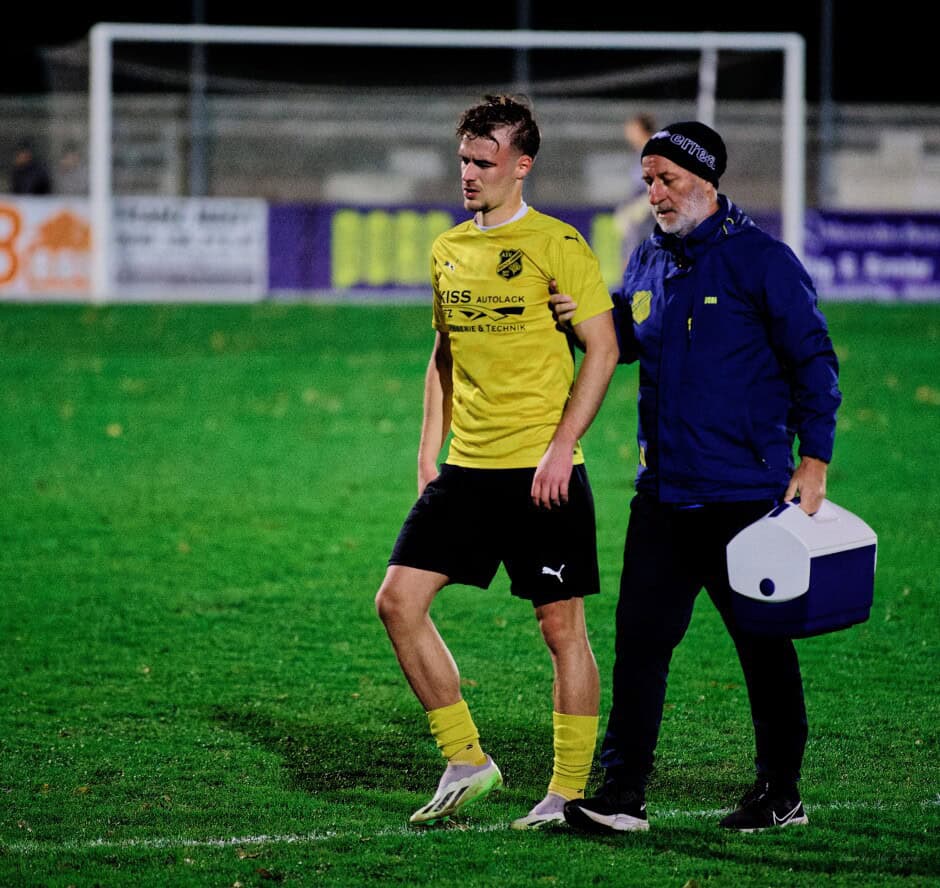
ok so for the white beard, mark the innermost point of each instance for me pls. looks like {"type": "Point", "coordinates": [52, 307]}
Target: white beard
{"type": "Point", "coordinates": [696, 208]}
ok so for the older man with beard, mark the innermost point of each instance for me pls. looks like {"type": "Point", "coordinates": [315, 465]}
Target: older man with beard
{"type": "Point", "coordinates": [735, 365]}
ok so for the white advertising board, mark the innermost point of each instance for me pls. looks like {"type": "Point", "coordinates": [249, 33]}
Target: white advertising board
{"type": "Point", "coordinates": [213, 250]}
{"type": "Point", "coordinates": [165, 249]}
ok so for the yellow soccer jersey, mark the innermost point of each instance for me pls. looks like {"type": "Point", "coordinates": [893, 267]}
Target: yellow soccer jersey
{"type": "Point", "coordinates": [513, 370]}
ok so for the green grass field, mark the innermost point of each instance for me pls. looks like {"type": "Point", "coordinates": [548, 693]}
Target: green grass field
{"type": "Point", "coordinates": [196, 507]}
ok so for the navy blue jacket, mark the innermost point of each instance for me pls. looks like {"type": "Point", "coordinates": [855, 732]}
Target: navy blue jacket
{"type": "Point", "coordinates": [735, 361]}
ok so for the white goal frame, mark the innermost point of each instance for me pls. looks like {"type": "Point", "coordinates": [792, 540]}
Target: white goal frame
{"type": "Point", "coordinates": [103, 36]}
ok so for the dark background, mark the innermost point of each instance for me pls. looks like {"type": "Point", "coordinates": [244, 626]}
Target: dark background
{"type": "Point", "coordinates": [876, 56]}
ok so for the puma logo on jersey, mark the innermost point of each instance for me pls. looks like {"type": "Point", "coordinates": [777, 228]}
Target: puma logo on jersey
{"type": "Point", "coordinates": [554, 573]}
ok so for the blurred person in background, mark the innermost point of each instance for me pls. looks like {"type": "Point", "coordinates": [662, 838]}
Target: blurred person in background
{"type": "Point", "coordinates": [71, 175]}
{"type": "Point", "coordinates": [513, 489]}
{"type": "Point", "coordinates": [736, 363]}
{"type": "Point", "coordinates": [632, 216]}
{"type": "Point", "coordinates": [29, 174]}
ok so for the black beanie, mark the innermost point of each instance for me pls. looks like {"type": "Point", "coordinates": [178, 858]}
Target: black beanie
{"type": "Point", "coordinates": [693, 146]}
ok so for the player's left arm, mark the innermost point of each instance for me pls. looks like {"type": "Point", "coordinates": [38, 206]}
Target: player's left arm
{"type": "Point", "coordinates": [601, 352]}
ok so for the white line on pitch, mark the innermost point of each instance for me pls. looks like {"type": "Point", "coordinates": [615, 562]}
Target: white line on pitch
{"type": "Point", "coordinates": [37, 846]}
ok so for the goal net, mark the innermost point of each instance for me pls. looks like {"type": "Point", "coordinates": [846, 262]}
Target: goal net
{"type": "Point", "coordinates": [343, 138]}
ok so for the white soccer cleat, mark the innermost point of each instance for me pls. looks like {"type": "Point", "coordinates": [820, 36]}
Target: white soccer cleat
{"type": "Point", "coordinates": [460, 785]}
{"type": "Point", "coordinates": [549, 811]}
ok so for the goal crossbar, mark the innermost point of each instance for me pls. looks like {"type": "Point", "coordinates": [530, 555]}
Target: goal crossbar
{"type": "Point", "coordinates": [103, 36]}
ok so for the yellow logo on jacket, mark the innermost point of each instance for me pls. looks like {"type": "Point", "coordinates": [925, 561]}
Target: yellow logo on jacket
{"type": "Point", "coordinates": [642, 300]}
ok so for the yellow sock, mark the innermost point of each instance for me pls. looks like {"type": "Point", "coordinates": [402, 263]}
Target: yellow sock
{"type": "Point", "coordinates": [575, 738]}
{"type": "Point", "coordinates": [456, 735]}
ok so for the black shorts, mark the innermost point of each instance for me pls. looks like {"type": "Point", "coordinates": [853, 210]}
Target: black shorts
{"type": "Point", "coordinates": [468, 521]}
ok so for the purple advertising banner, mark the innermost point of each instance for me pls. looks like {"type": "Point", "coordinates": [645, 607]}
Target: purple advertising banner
{"type": "Point", "coordinates": [381, 253]}
{"type": "Point", "coordinates": [298, 247]}
{"type": "Point", "coordinates": [363, 253]}
{"type": "Point", "coordinates": [880, 256]}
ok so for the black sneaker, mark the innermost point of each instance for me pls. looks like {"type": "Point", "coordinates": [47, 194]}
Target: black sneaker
{"type": "Point", "coordinates": [610, 811]}
{"type": "Point", "coordinates": [763, 807]}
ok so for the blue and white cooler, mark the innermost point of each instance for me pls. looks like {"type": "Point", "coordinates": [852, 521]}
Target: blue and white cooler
{"type": "Point", "coordinates": [800, 575]}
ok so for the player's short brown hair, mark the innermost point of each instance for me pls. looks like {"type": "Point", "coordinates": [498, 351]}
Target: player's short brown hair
{"type": "Point", "coordinates": [496, 111]}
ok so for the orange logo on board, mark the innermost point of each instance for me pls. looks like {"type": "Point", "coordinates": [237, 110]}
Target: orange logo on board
{"type": "Point", "coordinates": [58, 256]}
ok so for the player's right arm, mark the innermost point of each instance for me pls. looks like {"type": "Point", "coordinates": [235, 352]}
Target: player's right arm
{"type": "Point", "coordinates": [438, 392]}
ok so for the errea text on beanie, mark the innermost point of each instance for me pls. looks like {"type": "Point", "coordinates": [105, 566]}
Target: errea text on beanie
{"type": "Point", "coordinates": [693, 146]}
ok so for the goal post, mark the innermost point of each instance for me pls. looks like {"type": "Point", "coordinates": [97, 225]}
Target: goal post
{"type": "Point", "coordinates": [104, 35]}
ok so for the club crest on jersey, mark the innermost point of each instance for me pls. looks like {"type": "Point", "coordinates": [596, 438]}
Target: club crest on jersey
{"type": "Point", "coordinates": [640, 305]}
{"type": "Point", "coordinates": [510, 263]}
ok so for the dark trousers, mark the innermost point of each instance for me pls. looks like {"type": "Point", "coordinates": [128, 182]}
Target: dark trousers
{"type": "Point", "coordinates": [670, 554]}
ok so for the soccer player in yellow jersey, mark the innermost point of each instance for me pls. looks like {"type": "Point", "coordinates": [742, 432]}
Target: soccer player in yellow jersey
{"type": "Point", "coordinates": [501, 378]}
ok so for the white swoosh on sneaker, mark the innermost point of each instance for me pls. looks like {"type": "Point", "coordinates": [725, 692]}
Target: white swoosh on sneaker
{"type": "Point", "coordinates": [790, 816]}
